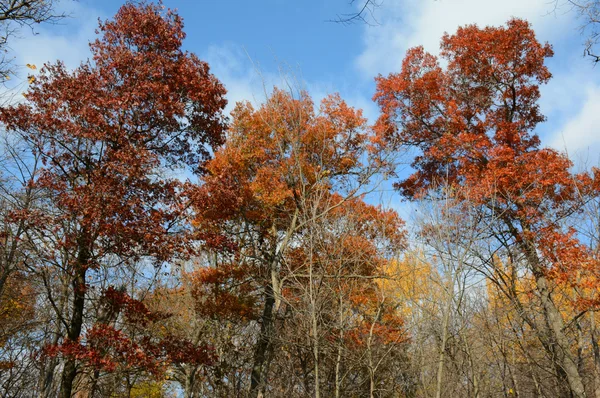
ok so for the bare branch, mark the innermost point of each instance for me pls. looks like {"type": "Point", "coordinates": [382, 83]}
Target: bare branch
{"type": "Point", "coordinates": [365, 13]}
{"type": "Point", "coordinates": [16, 14]}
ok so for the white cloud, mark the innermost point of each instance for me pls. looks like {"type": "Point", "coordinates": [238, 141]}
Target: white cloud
{"type": "Point", "coordinates": [51, 43]}
{"type": "Point", "coordinates": [67, 41]}
{"type": "Point", "coordinates": [234, 69]}
{"type": "Point", "coordinates": [404, 24]}
{"type": "Point", "coordinates": [571, 100]}
{"type": "Point", "coordinates": [244, 77]}
{"type": "Point", "coordinates": [246, 80]}
{"type": "Point", "coordinates": [580, 134]}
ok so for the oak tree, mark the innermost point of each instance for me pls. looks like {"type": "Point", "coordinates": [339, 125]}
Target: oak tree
{"type": "Point", "coordinates": [285, 166]}
{"type": "Point", "coordinates": [473, 122]}
{"type": "Point", "coordinates": [106, 133]}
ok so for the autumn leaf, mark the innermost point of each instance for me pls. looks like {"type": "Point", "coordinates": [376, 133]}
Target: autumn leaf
{"type": "Point", "coordinates": [113, 199]}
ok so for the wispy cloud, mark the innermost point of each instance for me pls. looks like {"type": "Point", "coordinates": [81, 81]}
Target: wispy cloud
{"type": "Point", "coordinates": [580, 134]}
{"type": "Point", "coordinates": [571, 99]}
{"type": "Point", "coordinates": [67, 42]}
{"type": "Point", "coordinates": [404, 24]}
{"type": "Point", "coordinates": [247, 80]}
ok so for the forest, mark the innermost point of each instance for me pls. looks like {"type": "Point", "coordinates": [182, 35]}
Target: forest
{"type": "Point", "coordinates": [154, 245]}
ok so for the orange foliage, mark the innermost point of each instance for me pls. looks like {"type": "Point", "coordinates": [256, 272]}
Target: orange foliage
{"type": "Point", "coordinates": [473, 122]}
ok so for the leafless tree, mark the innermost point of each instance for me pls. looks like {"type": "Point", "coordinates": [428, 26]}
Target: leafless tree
{"type": "Point", "coordinates": [588, 12]}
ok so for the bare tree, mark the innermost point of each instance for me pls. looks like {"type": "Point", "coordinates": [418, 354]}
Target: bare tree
{"type": "Point", "coordinates": [17, 14]}
{"type": "Point", "coordinates": [588, 12]}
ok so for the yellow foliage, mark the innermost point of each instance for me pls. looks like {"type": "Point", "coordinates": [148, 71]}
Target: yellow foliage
{"type": "Point", "coordinates": [411, 282]}
{"type": "Point", "coordinates": [148, 389]}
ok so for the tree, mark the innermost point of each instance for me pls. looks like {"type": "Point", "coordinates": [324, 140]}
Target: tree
{"type": "Point", "coordinates": [473, 123]}
{"type": "Point", "coordinates": [18, 293]}
{"type": "Point", "coordinates": [284, 167]}
{"type": "Point", "coordinates": [17, 197]}
{"type": "Point", "coordinates": [346, 325]}
{"type": "Point", "coordinates": [105, 134]}
{"type": "Point", "coordinates": [589, 12]}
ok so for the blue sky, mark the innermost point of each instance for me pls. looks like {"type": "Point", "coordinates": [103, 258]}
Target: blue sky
{"type": "Point", "coordinates": [248, 43]}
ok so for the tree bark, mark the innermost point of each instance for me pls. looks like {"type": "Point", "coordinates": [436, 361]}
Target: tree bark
{"type": "Point", "coordinates": [558, 344]}
{"type": "Point", "coordinates": [264, 341]}
{"type": "Point", "coordinates": [561, 347]}
{"type": "Point", "coordinates": [76, 322]}
{"type": "Point", "coordinates": [596, 351]}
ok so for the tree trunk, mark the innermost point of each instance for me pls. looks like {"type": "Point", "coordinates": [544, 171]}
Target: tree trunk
{"type": "Point", "coordinates": [264, 341]}
{"type": "Point", "coordinates": [76, 323]}
{"type": "Point", "coordinates": [48, 377]}
{"type": "Point", "coordinates": [596, 351]}
{"type": "Point", "coordinates": [565, 360]}
{"type": "Point", "coordinates": [338, 362]}
{"type": "Point", "coordinates": [471, 364]}
{"type": "Point", "coordinates": [267, 325]}
{"type": "Point", "coordinates": [559, 343]}
{"type": "Point", "coordinates": [47, 371]}
{"type": "Point", "coordinates": [188, 390]}
{"type": "Point", "coordinates": [314, 327]}
{"type": "Point", "coordinates": [444, 337]}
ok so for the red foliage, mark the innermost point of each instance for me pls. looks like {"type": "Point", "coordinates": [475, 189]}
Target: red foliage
{"type": "Point", "coordinates": [107, 349]}
{"type": "Point", "coordinates": [134, 310]}
{"type": "Point", "coordinates": [104, 129]}
{"type": "Point", "coordinates": [223, 293]}
{"type": "Point", "coordinates": [473, 122]}
{"type": "Point", "coordinates": [105, 133]}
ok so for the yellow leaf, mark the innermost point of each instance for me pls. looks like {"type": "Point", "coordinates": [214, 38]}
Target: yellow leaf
{"type": "Point", "coordinates": [31, 66]}
{"type": "Point", "coordinates": [31, 79]}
